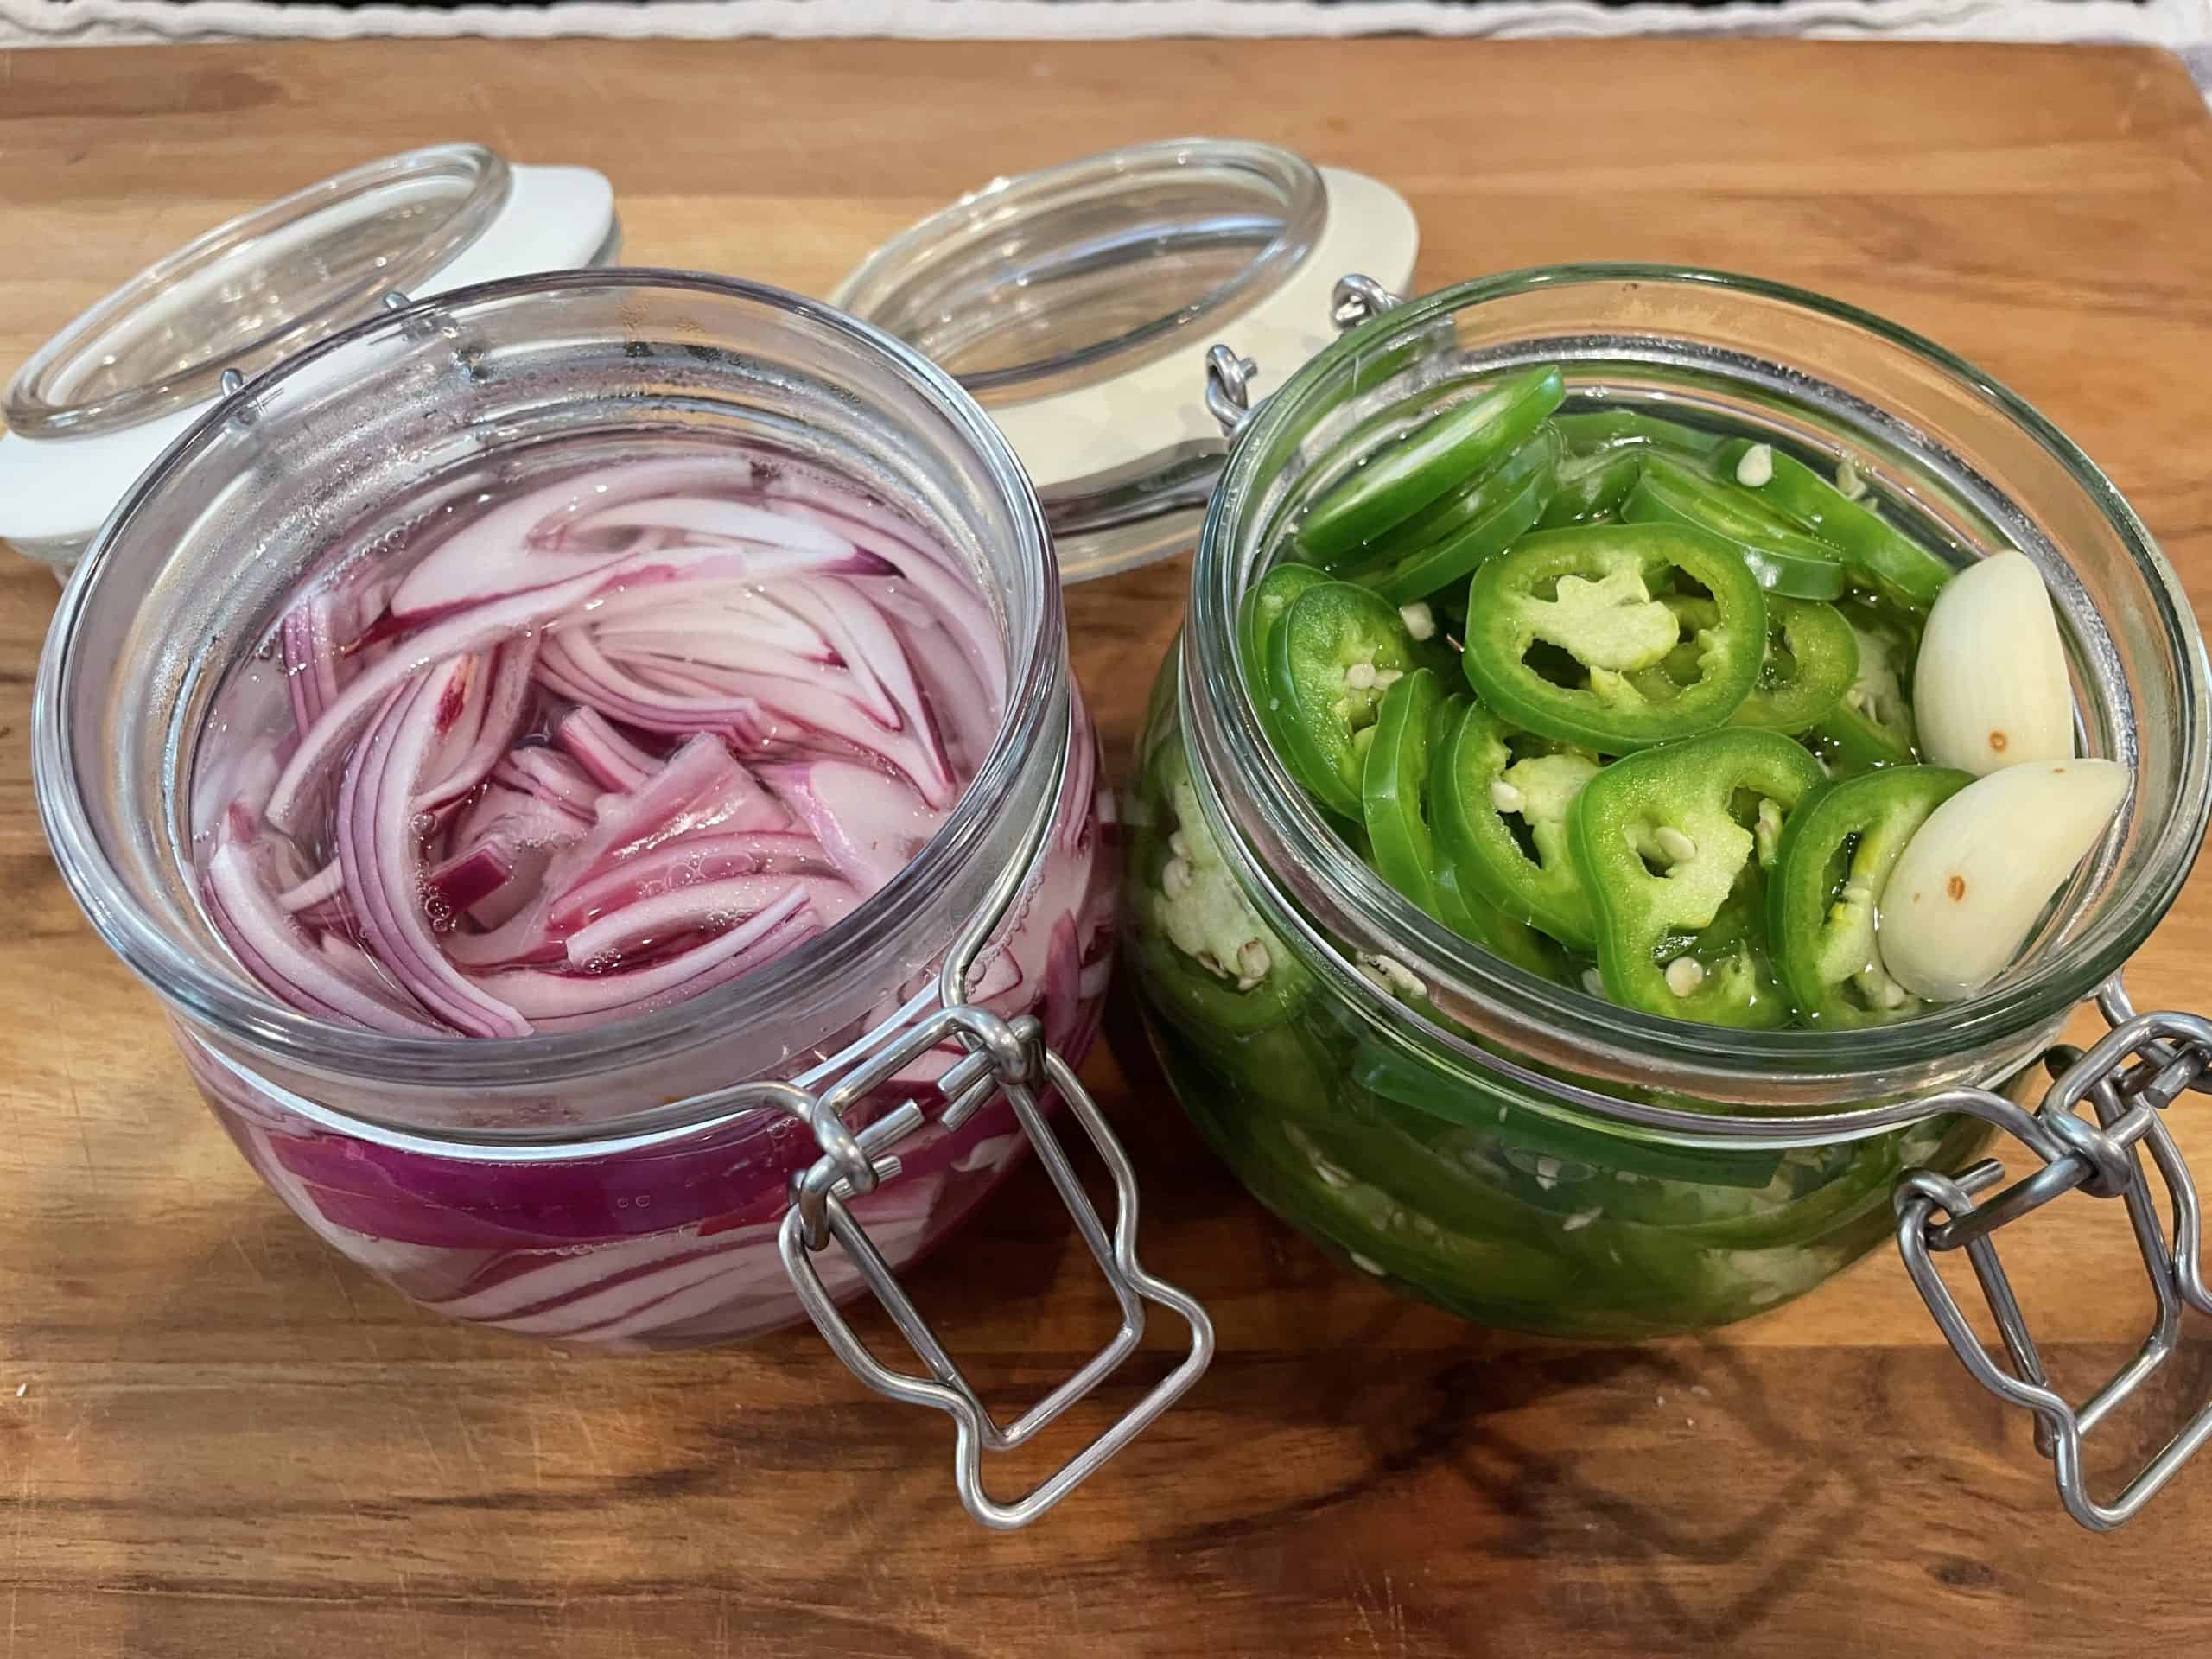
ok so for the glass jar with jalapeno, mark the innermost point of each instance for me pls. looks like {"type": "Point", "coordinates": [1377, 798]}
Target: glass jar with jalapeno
{"type": "Point", "coordinates": [1574, 895]}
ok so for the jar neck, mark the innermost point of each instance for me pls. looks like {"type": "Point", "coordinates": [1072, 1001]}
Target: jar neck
{"type": "Point", "coordinates": [164, 606]}
{"type": "Point", "coordinates": [2010, 473]}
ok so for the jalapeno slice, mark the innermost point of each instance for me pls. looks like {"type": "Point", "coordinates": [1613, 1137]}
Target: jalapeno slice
{"type": "Point", "coordinates": [1836, 855]}
{"type": "Point", "coordinates": [1592, 486]}
{"type": "Point", "coordinates": [1665, 839]}
{"type": "Point", "coordinates": [1205, 947]}
{"type": "Point", "coordinates": [1585, 431]}
{"type": "Point", "coordinates": [1872, 726]}
{"type": "Point", "coordinates": [1334, 654]}
{"type": "Point", "coordinates": [1449, 450]}
{"type": "Point", "coordinates": [1505, 506]}
{"type": "Point", "coordinates": [1501, 825]}
{"type": "Point", "coordinates": [1559, 626]}
{"type": "Point", "coordinates": [1811, 664]}
{"type": "Point", "coordinates": [1880, 556]}
{"type": "Point", "coordinates": [1262, 611]}
{"type": "Point", "coordinates": [1458, 509]}
{"type": "Point", "coordinates": [1394, 793]}
{"type": "Point", "coordinates": [1786, 561]}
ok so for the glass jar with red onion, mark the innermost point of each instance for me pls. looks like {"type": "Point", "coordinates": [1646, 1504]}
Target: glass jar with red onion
{"type": "Point", "coordinates": [590, 767]}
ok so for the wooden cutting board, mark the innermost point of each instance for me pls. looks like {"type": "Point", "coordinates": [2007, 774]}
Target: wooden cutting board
{"type": "Point", "coordinates": [216, 1439]}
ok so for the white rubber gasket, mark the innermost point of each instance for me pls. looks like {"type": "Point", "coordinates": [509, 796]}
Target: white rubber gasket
{"type": "Point", "coordinates": [1067, 435]}
{"type": "Point", "coordinates": [60, 490]}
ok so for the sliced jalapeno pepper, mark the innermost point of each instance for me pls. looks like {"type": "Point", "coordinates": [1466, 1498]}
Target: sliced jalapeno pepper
{"type": "Point", "coordinates": [1217, 966]}
{"type": "Point", "coordinates": [1269, 598]}
{"type": "Point", "coordinates": [1458, 445]}
{"type": "Point", "coordinates": [1558, 627]}
{"type": "Point", "coordinates": [1786, 561]}
{"type": "Point", "coordinates": [1395, 790]}
{"type": "Point", "coordinates": [1881, 556]}
{"type": "Point", "coordinates": [1811, 662]}
{"type": "Point", "coordinates": [1480, 785]}
{"type": "Point", "coordinates": [1871, 726]}
{"type": "Point", "coordinates": [1457, 509]}
{"type": "Point", "coordinates": [1262, 611]}
{"type": "Point", "coordinates": [1507, 505]}
{"type": "Point", "coordinates": [1593, 485]}
{"type": "Point", "coordinates": [1336, 651]}
{"type": "Point", "coordinates": [1837, 853]}
{"type": "Point", "coordinates": [1585, 431]}
{"type": "Point", "coordinates": [1210, 1004]}
{"type": "Point", "coordinates": [1662, 841]}
{"type": "Point", "coordinates": [1401, 800]}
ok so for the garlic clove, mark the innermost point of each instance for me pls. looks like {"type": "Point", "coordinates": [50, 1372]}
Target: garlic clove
{"type": "Point", "coordinates": [1990, 690]}
{"type": "Point", "coordinates": [1974, 878]}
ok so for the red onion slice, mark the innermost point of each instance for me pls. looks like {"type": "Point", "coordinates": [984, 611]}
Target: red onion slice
{"type": "Point", "coordinates": [688, 859]}
{"type": "Point", "coordinates": [610, 758]}
{"type": "Point", "coordinates": [379, 848]}
{"type": "Point", "coordinates": [277, 949]}
{"type": "Point", "coordinates": [554, 1000]}
{"type": "Point", "coordinates": [871, 825]}
{"type": "Point", "coordinates": [501, 695]}
{"type": "Point", "coordinates": [650, 924]}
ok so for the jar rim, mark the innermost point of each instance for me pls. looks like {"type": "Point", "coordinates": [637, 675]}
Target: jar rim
{"type": "Point", "coordinates": [896, 286]}
{"type": "Point", "coordinates": [46, 397]}
{"type": "Point", "coordinates": [243, 1013]}
{"type": "Point", "coordinates": [2073, 968]}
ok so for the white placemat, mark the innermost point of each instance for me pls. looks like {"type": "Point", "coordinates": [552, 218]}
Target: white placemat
{"type": "Point", "coordinates": [2184, 26]}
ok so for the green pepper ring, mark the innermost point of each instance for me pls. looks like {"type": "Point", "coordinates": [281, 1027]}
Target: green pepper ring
{"type": "Point", "coordinates": [1501, 632]}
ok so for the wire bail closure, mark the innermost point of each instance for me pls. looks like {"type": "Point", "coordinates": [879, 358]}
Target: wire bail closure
{"type": "Point", "coordinates": [1007, 1057]}
{"type": "Point", "coordinates": [2128, 1078]}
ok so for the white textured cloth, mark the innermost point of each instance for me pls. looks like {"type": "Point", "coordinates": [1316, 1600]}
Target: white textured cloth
{"type": "Point", "coordinates": [2184, 26]}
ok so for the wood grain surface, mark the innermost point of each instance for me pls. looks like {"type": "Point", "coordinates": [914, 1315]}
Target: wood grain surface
{"type": "Point", "coordinates": [216, 1439]}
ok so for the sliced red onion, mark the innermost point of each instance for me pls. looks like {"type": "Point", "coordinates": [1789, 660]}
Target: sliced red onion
{"type": "Point", "coordinates": [494, 619]}
{"type": "Point", "coordinates": [610, 758]}
{"type": "Point", "coordinates": [311, 657]}
{"type": "Point", "coordinates": [554, 1000]}
{"type": "Point", "coordinates": [764, 713]}
{"type": "Point", "coordinates": [701, 787]}
{"type": "Point", "coordinates": [732, 521]}
{"type": "Point", "coordinates": [651, 923]}
{"type": "Point", "coordinates": [459, 884]}
{"type": "Point", "coordinates": [323, 885]}
{"type": "Point", "coordinates": [379, 848]}
{"type": "Point", "coordinates": [500, 698]}
{"type": "Point", "coordinates": [688, 859]}
{"type": "Point", "coordinates": [871, 825]}
{"type": "Point", "coordinates": [274, 947]}
{"type": "Point", "coordinates": [965, 717]}
{"type": "Point", "coordinates": [480, 741]}
{"type": "Point", "coordinates": [550, 776]}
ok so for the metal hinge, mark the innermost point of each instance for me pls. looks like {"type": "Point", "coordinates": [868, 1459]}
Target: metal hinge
{"type": "Point", "coordinates": [2128, 1078]}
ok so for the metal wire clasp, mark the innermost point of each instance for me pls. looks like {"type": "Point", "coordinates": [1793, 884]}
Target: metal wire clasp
{"type": "Point", "coordinates": [2128, 1078]}
{"type": "Point", "coordinates": [1005, 1057]}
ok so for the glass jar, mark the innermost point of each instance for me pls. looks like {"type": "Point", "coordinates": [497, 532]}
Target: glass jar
{"type": "Point", "coordinates": [94, 406]}
{"type": "Point", "coordinates": [1531, 1156]}
{"type": "Point", "coordinates": [674, 1178]}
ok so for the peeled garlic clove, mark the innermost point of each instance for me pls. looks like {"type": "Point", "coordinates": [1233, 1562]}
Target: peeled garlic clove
{"type": "Point", "coordinates": [1990, 690]}
{"type": "Point", "coordinates": [1976, 876]}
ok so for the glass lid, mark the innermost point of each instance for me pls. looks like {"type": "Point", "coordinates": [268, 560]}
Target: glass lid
{"type": "Point", "coordinates": [256, 288]}
{"type": "Point", "coordinates": [1078, 303]}
{"type": "Point", "coordinates": [1070, 276]}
